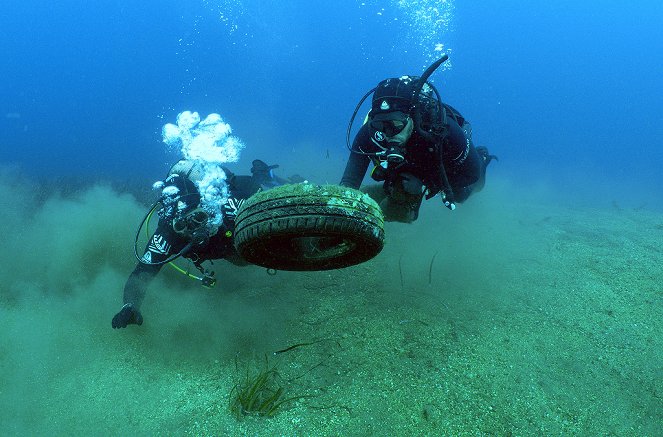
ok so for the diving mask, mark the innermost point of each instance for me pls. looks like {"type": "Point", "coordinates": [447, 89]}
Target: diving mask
{"type": "Point", "coordinates": [391, 123]}
{"type": "Point", "coordinates": [391, 131]}
{"type": "Point", "coordinates": [187, 224]}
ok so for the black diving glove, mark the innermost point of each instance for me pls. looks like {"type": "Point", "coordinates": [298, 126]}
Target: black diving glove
{"type": "Point", "coordinates": [128, 315]}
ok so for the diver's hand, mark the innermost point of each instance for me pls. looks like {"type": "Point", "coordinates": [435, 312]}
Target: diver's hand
{"type": "Point", "coordinates": [128, 315]}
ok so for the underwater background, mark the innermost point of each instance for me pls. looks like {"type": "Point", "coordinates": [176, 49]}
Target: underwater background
{"type": "Point", "coordinates": [535, 308]}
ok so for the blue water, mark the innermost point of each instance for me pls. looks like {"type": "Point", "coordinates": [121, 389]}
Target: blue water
{"type": "Point", "coordinates": [529, 320]}
{"type": "Point", "coordinates": [565, 92]}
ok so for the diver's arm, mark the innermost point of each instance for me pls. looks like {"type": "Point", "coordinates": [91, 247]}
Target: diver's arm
{"type": "Point", "coordinates": [137, 283]}
{"type": "Point", "coordinates": [160, 247]}
{"type": "Point", "coordinates": [355, 169]}
{"type": "Point", "coordinates": [163, 244]}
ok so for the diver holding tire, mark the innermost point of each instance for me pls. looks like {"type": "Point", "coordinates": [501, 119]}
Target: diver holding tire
{"type": "Point", "coordinates": [184, 230]}
{"type": "Point", "coordinates": [419, 146]}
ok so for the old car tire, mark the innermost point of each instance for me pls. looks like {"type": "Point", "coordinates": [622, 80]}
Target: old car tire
{"type": "Point", "coordinates": [309, 227]}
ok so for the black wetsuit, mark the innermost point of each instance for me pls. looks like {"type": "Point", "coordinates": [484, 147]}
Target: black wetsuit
{"type": "Point", "coordinates": [464, 166]}
{"type": "Point", "coordinates": [165, 242]}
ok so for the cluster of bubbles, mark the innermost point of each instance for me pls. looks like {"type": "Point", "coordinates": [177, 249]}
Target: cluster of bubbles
{"type": "Point", "coordinates": [193, 42]}
{"type": "Point", "coordinates": [206, 144]}
{"type": "Point", "coordinates": [428, 24]}
{"type": "Point", "coordinates": [431, 23]}
{"type": "Point", "coordinates": [228, 12]}
{"type": "Point", "coordinates": [208, 140]}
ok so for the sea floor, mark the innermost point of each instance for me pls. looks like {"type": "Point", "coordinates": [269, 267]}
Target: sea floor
{"type": "Point", "coordinates": [541, 320]}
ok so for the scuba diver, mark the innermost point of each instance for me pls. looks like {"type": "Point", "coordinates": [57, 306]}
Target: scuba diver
{"type": "Point", "coordinates": [419, 146]}
{"type": "Point", "coordinates": [186, 228]}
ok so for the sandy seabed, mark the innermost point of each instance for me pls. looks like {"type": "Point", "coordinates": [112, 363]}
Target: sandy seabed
{"type": "Point", "coordinates": [534, 320]}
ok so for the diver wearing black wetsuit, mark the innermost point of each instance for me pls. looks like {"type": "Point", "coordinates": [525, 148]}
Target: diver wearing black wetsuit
{"type": "Point", "coordinates": [187, 236]}
{"type": "Point", "coordinates": [420, 147]}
